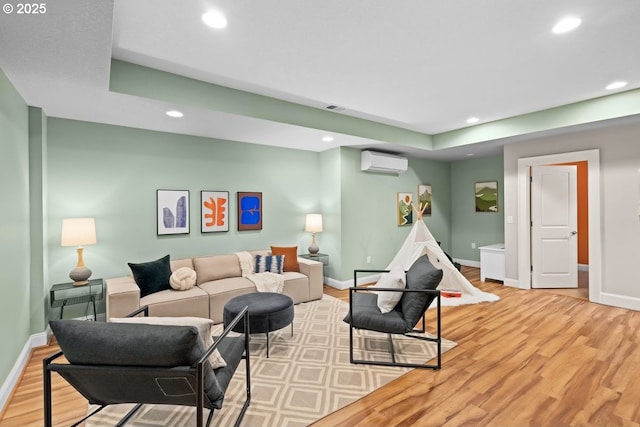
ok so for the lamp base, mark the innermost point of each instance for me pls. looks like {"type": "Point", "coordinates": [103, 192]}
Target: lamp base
{"type": "Point", "coordinates": [80, 276]}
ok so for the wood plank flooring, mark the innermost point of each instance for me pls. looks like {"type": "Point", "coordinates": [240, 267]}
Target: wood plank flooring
{"type": "Point", "coordinates": [533, 358]}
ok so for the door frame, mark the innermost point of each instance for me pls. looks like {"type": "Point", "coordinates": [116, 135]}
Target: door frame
{"type": "Point", "coordinates": [524, 216]}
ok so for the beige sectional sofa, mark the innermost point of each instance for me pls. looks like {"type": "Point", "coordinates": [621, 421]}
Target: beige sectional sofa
{"type": "Point", "coordinates": [219, 279]}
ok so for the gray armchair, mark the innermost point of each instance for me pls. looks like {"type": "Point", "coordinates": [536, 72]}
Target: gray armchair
{"type": "Point", "coordinates": [112, 363]}
{"type": "Point", "coordinates": [422, 279]}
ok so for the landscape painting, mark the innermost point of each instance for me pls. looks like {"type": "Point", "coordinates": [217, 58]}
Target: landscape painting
{"type": "Point", "coordinates": [405, 211]}
{"type": "Point", "coordinates": [486, 196]}
{"type": "Point", "coordinates": [425, 198]}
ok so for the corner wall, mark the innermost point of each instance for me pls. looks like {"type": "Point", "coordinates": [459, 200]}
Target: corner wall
{"type": "Point", "coordinates": [369, 219]}
{"type": "Point", "coordinates": [15, 282]}
{"type": "Point", "coordinates": [469, 226]}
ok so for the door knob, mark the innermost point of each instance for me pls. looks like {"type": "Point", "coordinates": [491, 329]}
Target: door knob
{"type": "Point", "coordinates": [573, 233]}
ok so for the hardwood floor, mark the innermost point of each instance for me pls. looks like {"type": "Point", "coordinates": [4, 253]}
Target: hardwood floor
{"type": "Point", "coordinates": [531, 359]}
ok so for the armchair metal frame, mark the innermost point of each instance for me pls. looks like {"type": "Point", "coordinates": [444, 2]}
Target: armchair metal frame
{"type": "Point", "coordinates": [195, 373]}
{"type": "Point", "coordinates": [437, 339]}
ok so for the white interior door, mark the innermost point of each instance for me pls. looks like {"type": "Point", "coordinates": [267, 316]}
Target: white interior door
{"type": "Point", "coordinates": [554, 221]}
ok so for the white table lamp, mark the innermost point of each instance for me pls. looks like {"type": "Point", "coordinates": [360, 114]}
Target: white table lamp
{"type": "Point", "coordinates": [313, 225]}
{"type": "Point", "coordinates": [79, 232]}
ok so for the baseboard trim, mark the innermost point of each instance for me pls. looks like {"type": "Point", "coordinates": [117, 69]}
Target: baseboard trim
{"type": "Point", "coordinates": [621, 301]}
{"type": "Point", "coordinates": [346, 284]}
{"type": "Point", "coordinates": [36, 340]}
{"type": "Point", "coordinates": [467, 263]}
{"type": "Point", "coordinates": [513, 283]}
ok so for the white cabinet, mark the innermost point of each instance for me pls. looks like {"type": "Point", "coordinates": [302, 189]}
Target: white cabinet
{"type": "Point", "coordinates": [492, 262]}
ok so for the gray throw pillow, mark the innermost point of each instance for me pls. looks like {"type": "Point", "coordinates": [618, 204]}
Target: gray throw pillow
{"type": "Point", "coordinates": [421, 275]}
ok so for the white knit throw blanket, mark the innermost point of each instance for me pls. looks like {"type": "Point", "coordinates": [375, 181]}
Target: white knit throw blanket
{"type": "Point", "coordinates": [246, 263]}
{"type": "Point", "coordinates": [265, 282]}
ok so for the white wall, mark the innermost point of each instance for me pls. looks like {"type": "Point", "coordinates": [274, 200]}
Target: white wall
{"type": "Point", "coordinates": [619, 146]}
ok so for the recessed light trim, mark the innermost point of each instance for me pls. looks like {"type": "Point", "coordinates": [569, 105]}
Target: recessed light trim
{"type": "Point", "coordinates": [472, 120]}
{"type": "Point", "coordinates": [327, 138]}
{"type": "Point", "coordinates": [215, 19]}
{"type": "Point", "coordinates": [616, 85]}
{"type": "Point", "coordinates": [174, 113]}
{"type": "Point", "coordinates": [566, 24]}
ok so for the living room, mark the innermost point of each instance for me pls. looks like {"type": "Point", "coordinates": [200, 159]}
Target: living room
{"type": "Point", "coordinates": [61, 167]}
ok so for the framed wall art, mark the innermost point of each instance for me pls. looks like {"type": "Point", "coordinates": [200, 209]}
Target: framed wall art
{"type": "Point", "coordinates": [172, 211]}
{"type": "Point", "coordinates": [249, 211]}
{"type": "Point", "coordinates": [405, 211]}
{"type": "Point", "coordinates": [486, 196]}
{"type": "Point", "coordinates": [214, 211]}
{"type": "Point", "coordinates": [425, 198]}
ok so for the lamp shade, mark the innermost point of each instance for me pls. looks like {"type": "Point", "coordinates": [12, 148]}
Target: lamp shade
{"type": "Point", "coordinates": [78, 232]}
{"type": "Point", "coordinates": [313, 223]}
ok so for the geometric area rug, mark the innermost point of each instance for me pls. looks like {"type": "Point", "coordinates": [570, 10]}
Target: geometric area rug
{"type": "Point", "coordinates": [307, 375]}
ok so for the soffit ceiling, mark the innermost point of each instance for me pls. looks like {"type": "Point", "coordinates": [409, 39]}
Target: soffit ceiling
{"type": "Point", "coordinates": [420, 65]}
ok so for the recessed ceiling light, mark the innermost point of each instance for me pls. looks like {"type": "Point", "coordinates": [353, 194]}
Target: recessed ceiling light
{"type": "Point", "coordinates": [473, 120]}
{"type": "Point", "coordinates": [566, 24]}
{"type": "Point", "coordinates": [215, 19]}
{"type": "Point", "coordinates": [616, 85]}
{"type": "Point", "coordinates": [470, 154]}
{"type": "Point", "coordinates": [327, 138]}
{"type": "Point", "coordinates": [174, 113]}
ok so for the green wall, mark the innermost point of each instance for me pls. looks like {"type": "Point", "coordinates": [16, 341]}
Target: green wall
{"type": "Point", "coordinates": [330, 240]}
{"type": "Point", "coordinates": [112, 173]}
{"type": "Point", "coordinates": [39, 289]}
{"type": "Point", "coordinates": [369, 222]}
{"type": "Point", "coordinates": [470, 226]}
{"type": "Point", "coordinates": [15, 281]}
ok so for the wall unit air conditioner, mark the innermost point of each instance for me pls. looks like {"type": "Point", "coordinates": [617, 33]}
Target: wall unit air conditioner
{"type": "Point", "coordinates": [372, 161]}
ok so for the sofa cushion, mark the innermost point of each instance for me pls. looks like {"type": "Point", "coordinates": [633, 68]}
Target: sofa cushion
{"type": "Point", "coordinates": [172, 303]}
{"type": "Point", "coordinates": [216, 267]}
{"type": "Point", "coordinates": [152, 276]}
{"type": "Point", "coordinates": [179, 263]}
{"type": "Point", "coordinates": [271, 263]}
{"type": "Point", "coordinates": [290, 256]}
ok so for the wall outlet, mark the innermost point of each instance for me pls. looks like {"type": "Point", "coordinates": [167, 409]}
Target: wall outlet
{"type": "Point", "coordinates": [473, 246]}
{"type": "Point", "coordinates": [368, 259]}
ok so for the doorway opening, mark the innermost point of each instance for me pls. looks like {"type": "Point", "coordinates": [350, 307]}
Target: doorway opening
{"type": "Point", "coordinates": [591, 278]}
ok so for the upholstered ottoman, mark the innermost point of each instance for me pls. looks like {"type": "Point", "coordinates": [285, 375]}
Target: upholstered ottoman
{"type": "Point", "coordinates": [268, 311]}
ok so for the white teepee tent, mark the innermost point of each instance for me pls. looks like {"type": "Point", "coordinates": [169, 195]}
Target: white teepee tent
{"type": "Point", "coordinates": [420, 241]}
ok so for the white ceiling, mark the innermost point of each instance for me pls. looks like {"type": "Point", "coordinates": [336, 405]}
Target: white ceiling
{"type": "Point", "coordinates": [422, 65]}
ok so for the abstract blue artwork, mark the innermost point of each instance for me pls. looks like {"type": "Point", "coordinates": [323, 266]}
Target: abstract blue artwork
{"type": "Point", "coordinates": [249, 211]}
{"type": "Point", "coordinates": [172, 211]}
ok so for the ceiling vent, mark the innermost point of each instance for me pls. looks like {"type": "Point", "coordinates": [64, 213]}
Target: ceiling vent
{"type": "Point", "coordinates": [334, 108]}
{"type": "Point", "coordinates": [372, 161]}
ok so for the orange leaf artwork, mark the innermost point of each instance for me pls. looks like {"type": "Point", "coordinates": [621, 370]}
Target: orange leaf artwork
{"type": "Point", "coordinates": [214, 211]}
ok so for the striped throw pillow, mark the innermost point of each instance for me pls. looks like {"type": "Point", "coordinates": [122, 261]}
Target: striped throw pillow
{"type": "Point", "coordinates": [272, 263]}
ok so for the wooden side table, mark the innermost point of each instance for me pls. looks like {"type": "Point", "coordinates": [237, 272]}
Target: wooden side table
{"type": "Point", "coordinates": [64, 294]}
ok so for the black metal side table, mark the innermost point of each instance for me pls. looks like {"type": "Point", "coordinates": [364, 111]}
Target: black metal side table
{"type": "Point", "coordinates": [64, 294]}
{"type": "Point", "coordinates": [323, 258]}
